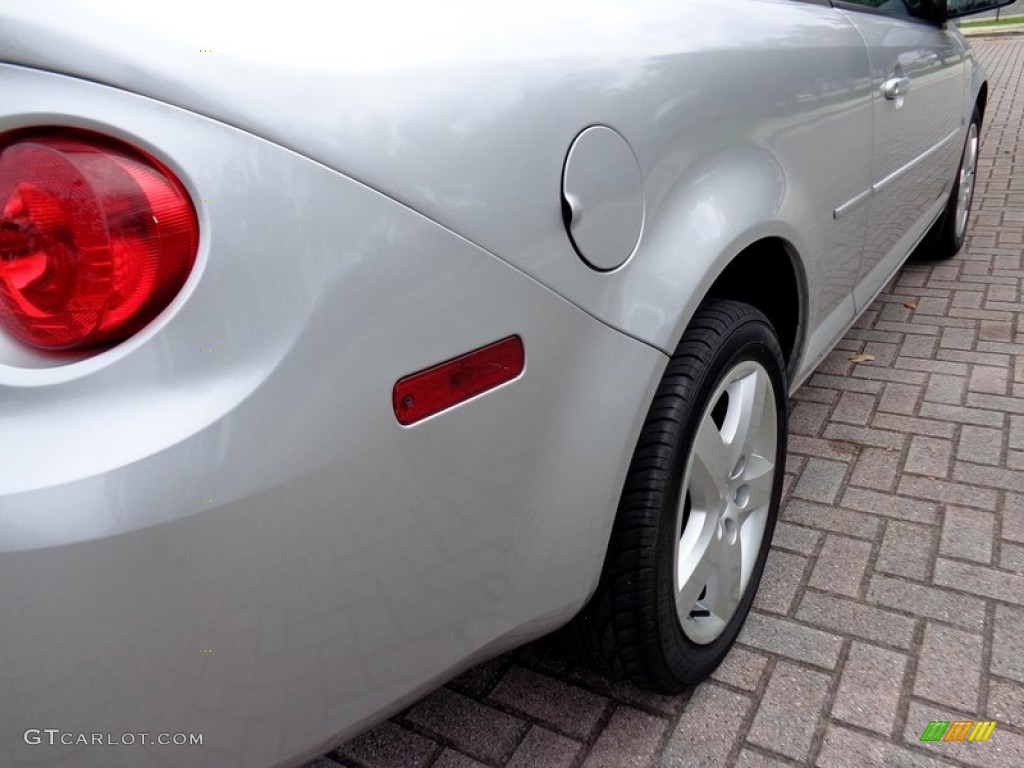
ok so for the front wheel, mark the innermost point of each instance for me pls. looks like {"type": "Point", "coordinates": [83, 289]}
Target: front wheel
{"type": "Point", "coordinates": [948, 234]}
{"type": "Point", "coordinates": [699, 506]}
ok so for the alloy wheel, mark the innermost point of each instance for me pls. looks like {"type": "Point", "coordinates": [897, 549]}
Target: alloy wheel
{"type": "Point", "coordinates": [968, 168]}
{"type": "Point", "coordinates": [724, 501]}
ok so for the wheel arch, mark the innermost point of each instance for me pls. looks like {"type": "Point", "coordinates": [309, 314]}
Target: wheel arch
{"type": "Point", "coordinates": [727, 229]}
{"type": "Point", "coordinates": [769, 261]}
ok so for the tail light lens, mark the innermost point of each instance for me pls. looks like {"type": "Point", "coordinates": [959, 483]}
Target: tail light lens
{"type": "Point", "coordinates": [95, 239]}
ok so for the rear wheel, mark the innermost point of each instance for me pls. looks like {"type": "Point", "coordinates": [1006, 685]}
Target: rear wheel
{"type": "Point", "coordinates": [699, 506]}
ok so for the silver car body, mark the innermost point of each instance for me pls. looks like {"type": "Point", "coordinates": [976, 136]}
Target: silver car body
{"type": "Point", "coordinates": [218, 526]}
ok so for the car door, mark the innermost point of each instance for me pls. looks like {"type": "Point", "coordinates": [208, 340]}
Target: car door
{"type": "Point", "coordinates": [917, 73]}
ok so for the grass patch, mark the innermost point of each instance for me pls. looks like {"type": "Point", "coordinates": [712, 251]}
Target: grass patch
{"type": "Point", "coordinates": [993, 22]}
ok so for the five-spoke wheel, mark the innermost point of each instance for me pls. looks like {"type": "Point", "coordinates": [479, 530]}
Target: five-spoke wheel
{"type": "Point", "coordinates": [697, 513]}
{"type": "Point", "coordinates": [947, 235]}
{"type": "Point", "coordinates": [726, 492]}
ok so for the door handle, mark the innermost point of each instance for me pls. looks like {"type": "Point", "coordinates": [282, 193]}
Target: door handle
{"type": "Point", "coordinates": [895, 87]}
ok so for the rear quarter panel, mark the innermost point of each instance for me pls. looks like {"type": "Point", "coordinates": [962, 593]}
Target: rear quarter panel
{"type": "Point", "coordinates": [749, 118]}
{"type": "Point", "coordinates": [219, 526]}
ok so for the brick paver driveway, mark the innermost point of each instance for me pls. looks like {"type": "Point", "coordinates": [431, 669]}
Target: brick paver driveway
{"type": "Point", "coordinates": [894, 594]}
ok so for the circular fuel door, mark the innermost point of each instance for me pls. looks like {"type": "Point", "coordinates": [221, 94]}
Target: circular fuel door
{"type": "Point", "coordinates": [602, 198]}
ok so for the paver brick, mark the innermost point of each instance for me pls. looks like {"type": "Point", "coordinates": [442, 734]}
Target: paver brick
{"type": "Point", "coordinates": [993, 477]}
{"type": "Point", "coordinates": [1014, 460]}
{"type": "Point", "coordinates": [918, 346]}
{"type": "Point", "coordinates": [892, 313]}
{"type": "Point", "coordinates": [808, 418]}
{"type": "Point", "coordinates": [831, 519]}
{"type": "Point", "coordinates": [544, 747]}
{"type": "Point", "coordinates": [750, 759]}
{"type": "Point", "coordinates": [948, 492]}
{"type": "Point", "coordinates": [876, 373]}
{"type": "Point", "coordinates": [1004, 292]}
{"type": "Point", "coordinates": [838, 450]}
{"type": "Point", "coordinates": [820, 480]}
{"type": "Point", "coordinates": [1013, 518]}
{"type": "Point", "coordinates": [1008, 643]}
{"type": "Point", "coordinates": [452, 759]}
{"type": "Point", "coordinates": [1003, 332]}
{"type": "Point", "coordinates": [1011, 557]}
{"type": "Point", "coordinates": [571, 710]}
{"type": "Point", "coordinates": [940, 367]}
{"type": "Point", "coordinates": [915, 426]}
{"type": "Point", "coordinates": [473, 728]}
{"type": "Point", "coordinates": [928, 456]}
{"type": "Point", "coordinates": [788, 715]}
{"type": "Point", "coordinates": [812, 394]}
{"type": "Point", "coordinates": [863, 435]}
{"type": "Point", "coordinates": [851, 617]}
{"type": "Point", "coordinates": [980, 580]}
{"type": "Point", "coordinates": [899, 398]}
{"type": "Point", "coordinates": [938, 303]}
{"type": "Point", "coordinates": [742, 668]}
{"type": "Point", "coordinates": [921, 600]}
{"type": "Point", "coordinates": [840, 565]}
{"type": "Point", "coordinates": [390, 745]}
{"type": "Point", "coordinates": [790, 639]}
{"type": "Point", "coordinates": [964, 415]}
{"type": "Point", "coordinates": [945, 389]}
{"type": "Point", "coordinates": [968, 534]}
{"type": "Point", "coordinates": [624, 692]}
{"type": "Point", "coordinates": [796, 538]}
{"type": "Point", "coordinates": [996, 404]}
{"type": "Point", "coordinates": [968, 299]}
{"type": "Point", "coordinates": [629, 740]}
{"type": "Point", "coordinates": [782, 579]}
{"type": "Point", "coordinates": [980, 445]}
{"type": "Point", "coordinates": [854, 408]}
{"type": "Point", "coordinates": [907, 549]}
{"type": "Point", "coordinates": [846, 383]}
{"type": "Point", "coordinates": [958, 338]}
{"type": "Point", "coordinates": [949, 667]}
{"type": "Point", "coordinates": [909, 508]}
{"type": "Point", "coordinates": [846, 748]}
{"type": "Point", "coordinates": [876, 468]}
{"type": "Point", "coordinates": [1005, 703]}
{"type": "Point", "coordinates": [987, 359]}
{"type": "Point", "coordinates": [870, 688]}
{"type": "Point", "coordinates": [694, 744]}
{"type": "Point", "coordinates": [989, 379]}
{"type": "Point", "coordinates": [1016, 435]}
{"type": "Point", "coordinates": [325, 762]}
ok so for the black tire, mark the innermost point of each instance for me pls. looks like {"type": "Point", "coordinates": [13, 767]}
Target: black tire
{"type": "Point", "coordinates": [631, 628]}
{"type": "Point", "coordinates": [947, 235]}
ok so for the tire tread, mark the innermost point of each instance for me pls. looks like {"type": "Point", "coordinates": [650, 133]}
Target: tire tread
{"type": "Point", "coordinates": [617, 632]}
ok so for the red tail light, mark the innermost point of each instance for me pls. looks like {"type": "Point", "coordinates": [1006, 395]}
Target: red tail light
{"type": "Point", "coordinates": [95, 239]}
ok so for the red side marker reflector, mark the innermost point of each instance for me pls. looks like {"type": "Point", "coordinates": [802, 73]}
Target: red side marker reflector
{"type": "Point", "coordinates": [425, 393]}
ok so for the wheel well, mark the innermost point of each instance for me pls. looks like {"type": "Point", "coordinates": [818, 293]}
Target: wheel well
{"type": "Point", "coordinates": [766, 275]}
{"type": "Point", "coordinates": [982, 100]}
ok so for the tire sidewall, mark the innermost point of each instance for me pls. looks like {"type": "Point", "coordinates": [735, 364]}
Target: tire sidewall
{"type": "Point", "coordinates": [754, 340]}
{"type": "Point", "coordinates": [950, 243]}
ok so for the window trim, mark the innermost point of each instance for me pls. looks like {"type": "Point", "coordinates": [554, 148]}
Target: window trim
{"type": "Point", "coordinates": [854, 7]}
